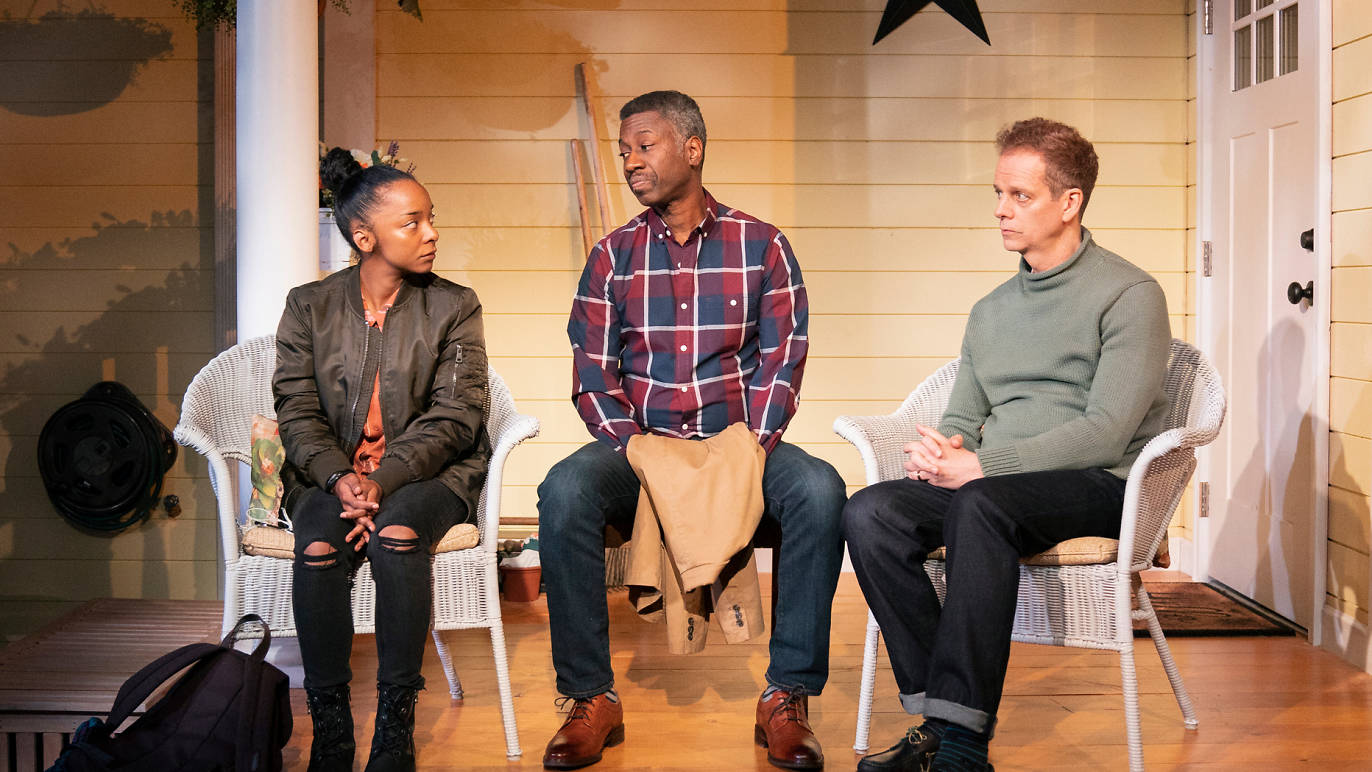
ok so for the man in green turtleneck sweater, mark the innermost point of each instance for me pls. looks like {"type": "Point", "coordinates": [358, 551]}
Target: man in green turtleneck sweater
{"type": "Point", "coordinates": [1059, 388]}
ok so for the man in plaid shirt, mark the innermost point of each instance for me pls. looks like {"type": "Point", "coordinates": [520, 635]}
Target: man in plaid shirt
{"type": "Point", "coordinates": [689, 318]}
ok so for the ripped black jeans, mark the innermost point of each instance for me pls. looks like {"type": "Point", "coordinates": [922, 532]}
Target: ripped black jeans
{"type": "Point", "coordinates": [400, 568]}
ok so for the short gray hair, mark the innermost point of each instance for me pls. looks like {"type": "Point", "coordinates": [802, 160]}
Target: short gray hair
{"type": "Point", "coordinates": [679, 110]}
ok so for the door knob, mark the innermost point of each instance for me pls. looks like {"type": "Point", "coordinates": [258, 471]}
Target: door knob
{"type": "Point", "coordinates": [1308, 240]}
{"type": "Point", "coordinates": [1295, 293]}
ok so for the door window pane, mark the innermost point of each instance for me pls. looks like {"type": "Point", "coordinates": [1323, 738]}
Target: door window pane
{"type": "Point", "coordinates": [1264, 3]}
{"type": "Point", "coordinates": [1290, 40]}
{"type": "Point", "coordinates": [1243, 57]}
{"type": "Point", "coordinates": [1242, 8]}
{"type": "Point", "coordinates": [1266, 48]}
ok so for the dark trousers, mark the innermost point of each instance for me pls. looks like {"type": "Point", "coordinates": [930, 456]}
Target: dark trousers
{"type": "Point", "coordinates": [950, 663]}
{"type": "Point", "coordinates": [595, 486]}
{"type": "Point", "coordinates": [322, 585]}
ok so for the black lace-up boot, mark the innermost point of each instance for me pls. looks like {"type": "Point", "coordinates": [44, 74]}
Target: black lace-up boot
{"type": "Point", "coordinates": [393, 741]}
{"type": "Point", "coordinates": [333, 747]}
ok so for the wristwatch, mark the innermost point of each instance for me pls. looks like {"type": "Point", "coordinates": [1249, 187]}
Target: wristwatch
{"type": "Point", "coordinates": [333, 480]}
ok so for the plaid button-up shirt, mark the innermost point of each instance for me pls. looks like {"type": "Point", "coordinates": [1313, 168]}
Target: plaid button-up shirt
{"type": "Point", "coordinates": [684, 340]}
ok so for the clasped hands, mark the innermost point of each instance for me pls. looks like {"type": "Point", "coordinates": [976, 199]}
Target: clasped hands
{"type": "Point", "coordinates": [940, 460]}
{"type": "Point", "coordinates": [361, 498]}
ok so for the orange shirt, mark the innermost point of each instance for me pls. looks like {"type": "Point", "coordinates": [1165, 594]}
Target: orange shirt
{"type": "Point", "coordinates": [372, 444]}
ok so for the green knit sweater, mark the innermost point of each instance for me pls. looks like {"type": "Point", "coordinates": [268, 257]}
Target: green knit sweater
{"type": "Point", "coordinates": [1063, 369]}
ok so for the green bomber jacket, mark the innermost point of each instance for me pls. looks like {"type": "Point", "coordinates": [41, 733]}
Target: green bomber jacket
{"type": "Point", "coordinates": [431, 356]}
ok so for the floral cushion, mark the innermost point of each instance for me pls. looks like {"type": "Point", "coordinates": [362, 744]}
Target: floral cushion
{"type": "Point", "coordinates": [268, 456]}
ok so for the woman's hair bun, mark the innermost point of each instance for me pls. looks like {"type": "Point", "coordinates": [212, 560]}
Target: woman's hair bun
{"type": "Point", "coordinates": [336, 168]}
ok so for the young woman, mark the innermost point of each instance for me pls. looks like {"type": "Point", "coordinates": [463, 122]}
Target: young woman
{"type": "Point", "coordinates": [379, 385]}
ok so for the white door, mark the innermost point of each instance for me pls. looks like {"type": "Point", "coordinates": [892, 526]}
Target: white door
{"type": "Point", "coordinates": [1261, 127]}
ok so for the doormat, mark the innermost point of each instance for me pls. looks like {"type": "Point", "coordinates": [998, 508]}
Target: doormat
{"type": "Point", "coordinates": [1195, 608]}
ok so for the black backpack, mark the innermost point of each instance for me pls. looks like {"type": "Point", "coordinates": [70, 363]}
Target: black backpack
{"type": "Point", "coordinates": [230, 712]}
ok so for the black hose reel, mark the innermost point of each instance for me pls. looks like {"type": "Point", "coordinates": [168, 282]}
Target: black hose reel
{"type": "Point", "coordinates": [103, 458]}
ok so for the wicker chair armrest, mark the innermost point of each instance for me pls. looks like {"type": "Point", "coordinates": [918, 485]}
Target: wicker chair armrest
{"type": "Point", "coordinates": [225, 497]}
{"type": "Point", "coordinates": [192, 436]}
{"type": "Point", "coordinates": [1156, 483]}
{"type": "Point", "coordinates": [514, 429]}
{"type": "Point", "coordinates": [880, 440]}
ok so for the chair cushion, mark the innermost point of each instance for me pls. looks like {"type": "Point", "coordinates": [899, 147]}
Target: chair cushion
{"type": "Point", "coordinates": [275, 543]}
{"type": "Point", "coordinates": [266, 541]}
{"type": "Point", "coordinates": [1085, 551]}
{"type": "Point", "coordinates": [462, 536]}
{"type": "Point", "coordinates": [268, 457]}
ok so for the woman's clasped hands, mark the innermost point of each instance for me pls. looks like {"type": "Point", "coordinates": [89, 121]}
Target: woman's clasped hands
{"type": "Point", "coordinates": [361, 499]}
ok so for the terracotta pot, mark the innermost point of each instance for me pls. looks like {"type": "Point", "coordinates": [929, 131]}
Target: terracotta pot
{"type": "Point", "coordinates": [521, 584]}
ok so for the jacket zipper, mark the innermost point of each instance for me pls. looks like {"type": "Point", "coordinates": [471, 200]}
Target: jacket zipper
{"type": "Point", "coordinates": [353, 429]}
{"type": "Point", "coordinates": [457, 362]}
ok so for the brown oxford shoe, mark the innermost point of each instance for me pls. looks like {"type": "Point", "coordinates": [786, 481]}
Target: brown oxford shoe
{"type": "Point", "coordinates": [783, 728]}
{"type": "Point", "coordinates": [593, 724]}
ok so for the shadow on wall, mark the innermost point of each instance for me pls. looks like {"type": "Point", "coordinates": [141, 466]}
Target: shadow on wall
{"type": "Point", "coordinates": [64, 63]}
{"type": "Point", "coordinates": [150, 316]}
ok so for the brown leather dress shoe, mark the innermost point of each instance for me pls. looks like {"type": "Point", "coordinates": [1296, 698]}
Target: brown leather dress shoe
{"type": "Point", "coordinates": [783, 728]}
{"type": "Point", "coordinates": [593, 724]}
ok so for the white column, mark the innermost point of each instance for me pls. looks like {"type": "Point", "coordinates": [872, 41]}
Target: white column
{"type": "Point", "coordinates": [278, 155]}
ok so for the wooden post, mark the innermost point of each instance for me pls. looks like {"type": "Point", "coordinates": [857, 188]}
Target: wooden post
{"type": "Point", "coordinates": [587, 238]}
{"type": "Point", "coordinates": [225, 198]}
{"type": "Point", "coordinates": [589, 102]}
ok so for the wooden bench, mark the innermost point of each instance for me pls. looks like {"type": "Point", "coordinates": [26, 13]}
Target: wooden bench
{"type": "Point", "coordinates": [58, 677]}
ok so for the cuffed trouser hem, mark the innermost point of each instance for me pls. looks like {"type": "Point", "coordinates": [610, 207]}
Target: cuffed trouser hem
{"type": "Point", "coordinates": [790, 687]}
{"type": "Point", "coordinates": [913, 703]}
{"type": "Point", "coordinates": [588, 693]}
{"type": "Point", "coordinates": [953, 713]}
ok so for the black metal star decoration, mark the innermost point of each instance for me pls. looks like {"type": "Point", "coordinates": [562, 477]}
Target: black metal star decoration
{"type": "Point", "coordinates": [898, 11]}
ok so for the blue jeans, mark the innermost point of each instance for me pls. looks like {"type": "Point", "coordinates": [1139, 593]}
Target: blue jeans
{"type": "Point", "coordinates": [595, 486]}
{"type": "Point", "coordinates": [950, 663]}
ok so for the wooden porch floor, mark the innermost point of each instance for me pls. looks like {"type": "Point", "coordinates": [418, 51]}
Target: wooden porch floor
{"type": "Point", "coordinates": [1269, 703]}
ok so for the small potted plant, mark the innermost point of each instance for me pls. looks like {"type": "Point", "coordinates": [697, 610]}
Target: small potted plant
{"type": "Point", "coordinates": [224, 13]}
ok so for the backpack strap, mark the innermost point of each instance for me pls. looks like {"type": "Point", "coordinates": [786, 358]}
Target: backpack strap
{"type": "Point", "coordinates": [251, 748]}
{"type": "Point", "coordinates": [258, 653]}
{"type": "Point", "coordinates": [143, 683]}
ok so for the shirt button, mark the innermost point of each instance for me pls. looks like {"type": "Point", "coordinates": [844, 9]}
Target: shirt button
{"type": "Point", "coordinates": [678, 265]}
{"type": "Point", "coordinates": [683, 388]}
{"type": "Point", "coordinates": [683, 306]}
{"type": "Point", "coordinates": [685, 426]}
{"type": "Point", "coordinates": [683, 347]}
{"type": "Point", "coordinates": [733, 302]}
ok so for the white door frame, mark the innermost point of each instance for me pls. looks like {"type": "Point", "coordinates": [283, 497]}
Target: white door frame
{"type": "Point", "coordinates": [1206, 287]}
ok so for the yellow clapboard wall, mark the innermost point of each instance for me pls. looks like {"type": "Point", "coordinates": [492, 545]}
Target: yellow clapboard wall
{"type": "Point", "coordinates": [1350, 384]}
{"type": "Point", "coordinates": [875, 161]}
{"type": "Point", "coordinates": [106, 271]}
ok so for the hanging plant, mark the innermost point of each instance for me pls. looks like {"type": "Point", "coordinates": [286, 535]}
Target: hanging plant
{"type": "Point", "coordinates": [224, 13]}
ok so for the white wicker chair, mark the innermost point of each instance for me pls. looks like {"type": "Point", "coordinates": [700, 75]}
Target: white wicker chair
{"type": "Point", "coordinates": [216, 419]}
{"type": "Point", "coordinates": [1086, 606]}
